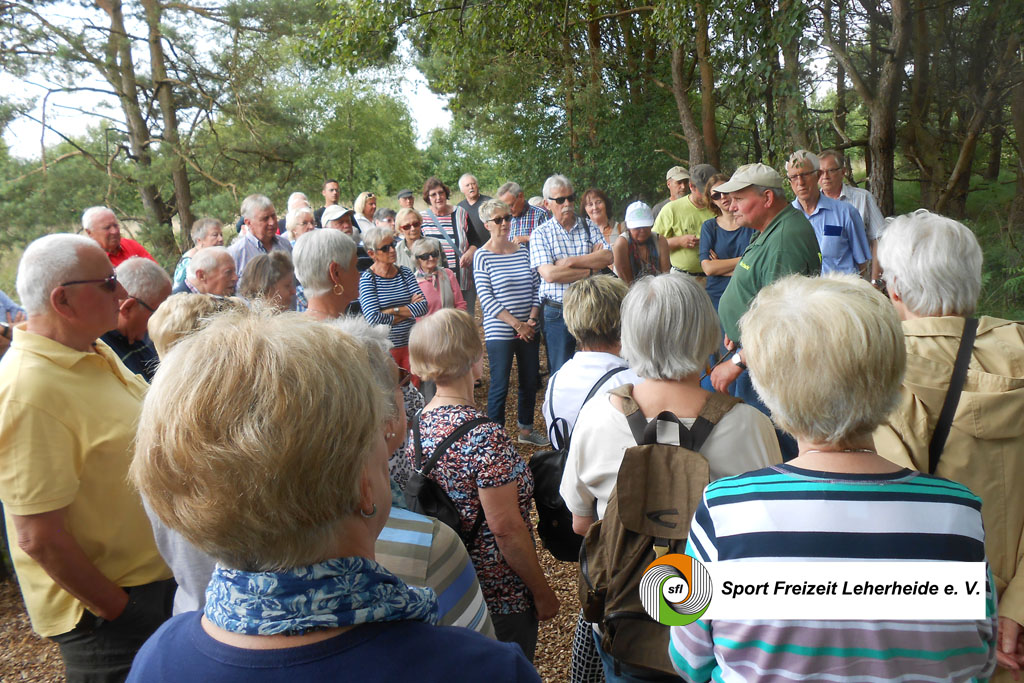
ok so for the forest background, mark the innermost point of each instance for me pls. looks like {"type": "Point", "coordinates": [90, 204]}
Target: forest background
{"type": "Point", "coordinates": [197, 104]}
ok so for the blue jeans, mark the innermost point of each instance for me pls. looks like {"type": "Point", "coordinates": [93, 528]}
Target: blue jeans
{"type": "Point", "coordinates": [560, 344]}
{"type": "Point", "coordinates": [626, 673]}
{"type": "Point", "coordinates": [499, 357]}
{"type": "Point", "coordinates": [743, 388]}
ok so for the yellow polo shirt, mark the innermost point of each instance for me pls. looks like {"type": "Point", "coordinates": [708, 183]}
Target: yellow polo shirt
{"type": "Point", "coordinates": [67, 423]}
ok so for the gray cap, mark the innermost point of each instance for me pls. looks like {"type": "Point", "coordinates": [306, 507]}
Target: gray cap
{"type": "Point", "coordinates": [402, 194]}
{"type": "Point", "coordinates": [752, 174]}
{"type": "Point", "coordinates": [701, 174]}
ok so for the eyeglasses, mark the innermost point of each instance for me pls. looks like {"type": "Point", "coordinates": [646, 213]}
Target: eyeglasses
{"type": "Point", "coordinates": [426, 257]}
{"type": "Point", "coordinates": [108, 283]}
{"type": "Point", "coordinates": [801, 176]}
{"type": "Point", "coordinates": [390, 246]}
{"type": "Point", "coordinates": [409, 225]}
{"type": "Point", "coordinates": [438, 193]}
{"type": "Point", "coordinates": [145, 305]}
{"type": "Point", "coordinates": [831, 171]}
{"type": "Point", "coordinates": [498, 220]}
{"type": "Point", "coordinates": [561, 200]}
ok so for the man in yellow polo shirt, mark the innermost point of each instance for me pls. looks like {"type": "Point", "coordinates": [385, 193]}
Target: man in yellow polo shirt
{"type": "Point", "coordinates": [680, 223]}
{"type": "Point", "coordinates": [85, 557]}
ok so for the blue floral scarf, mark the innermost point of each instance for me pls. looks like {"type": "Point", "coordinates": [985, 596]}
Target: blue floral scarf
{"type": "Point", "coordinates": [340, 592]}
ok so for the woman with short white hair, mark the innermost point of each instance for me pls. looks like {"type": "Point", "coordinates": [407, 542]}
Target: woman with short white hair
{"type": "Point", "coordinates": [325, 265]}
{"type": "Point", "coordinates": [206, 232]}
{"type": "Point", "coordinates": [830, 374]}
{"type": "Point", "coordinates": [437, 283]}
{"type": "Point", "coordinates": [298, 222]}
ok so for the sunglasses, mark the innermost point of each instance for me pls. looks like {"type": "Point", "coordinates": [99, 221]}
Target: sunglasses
{"type": "Point", "coordinates": [409, 225]}
{"type": "Point", "coordinates": [386, 247]}
{"type": "Point", "coordinates": [717, 195]}
{"type": "Point", "coordinates": [404, 376]}
{"type": "Point", "coordinates": [561, 200]}
{"type": "Point", "coordinates": [108, 283]}
{"type": "Point", "coordinates": [426, 257]}
{"type": "Point", "coordinates": [498, 220]}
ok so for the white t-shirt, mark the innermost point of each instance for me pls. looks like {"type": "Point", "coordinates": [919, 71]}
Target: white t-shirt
{"type": "Point", "coordinates": [742, 441]}
{"type": "Point", "coordinates": [570, 385]}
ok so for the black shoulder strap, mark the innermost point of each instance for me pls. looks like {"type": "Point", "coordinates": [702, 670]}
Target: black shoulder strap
{"type": "Point", "coordinates": [443, 447]}
{"type": "Point", "coordinates": [600, 383]}
{"type": "Point", "coordinates": [417, 448]}
{"type": "Point", "coordinates": [558, 432]}
{"type": "Point", "coordinates": [956, 386]}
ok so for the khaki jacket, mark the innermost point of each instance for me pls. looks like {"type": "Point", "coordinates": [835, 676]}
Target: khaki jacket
{"type": "Point", "coordinates": [985, 448]}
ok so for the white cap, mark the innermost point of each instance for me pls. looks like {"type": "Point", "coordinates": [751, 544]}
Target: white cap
{"type": "Point", "coordinates": [639, 215]}
{"type": "Point", "coordinates": [333, 213]}
{"type": "Point", "coordinates": [752, 174]}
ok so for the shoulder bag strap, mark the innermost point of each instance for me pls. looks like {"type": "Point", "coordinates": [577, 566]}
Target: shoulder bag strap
{"type": "Point", "coordinates": [417, 448]}
{"type": "Point", "coordinates": [443, 447]}
{"type": "Point", "coordinates": [713, 411]}
{"type": "Point", "coordinates": [559, 427]}
{"type": "Point", "coordinates": [593, 392]}
{"type": "Point", "coordinates": [956, 386]}
{"type": "Point", "coordinates": [447, 237]}
{"type": "Point", "coordinates": [634, 418]}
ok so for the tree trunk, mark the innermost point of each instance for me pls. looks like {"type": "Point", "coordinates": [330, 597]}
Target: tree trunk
{"type": "Point", "coordinates": [707, 87]}
{"type": "Point", "coordinates": [680, 90]}
{"type": "Point", "coordinates": [995, 149]}
{"type": "Point", "coordinates": [1016, 220]}
{"type": "Point", "coordinates": [841, 109]}
{"type": "Point", "coordinates": [791, 99]}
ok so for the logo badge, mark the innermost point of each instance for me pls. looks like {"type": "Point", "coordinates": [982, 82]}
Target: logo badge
{"type": "Point", "coordinates": [675, 590]}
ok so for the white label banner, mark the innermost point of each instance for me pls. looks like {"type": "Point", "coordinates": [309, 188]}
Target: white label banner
{"type": "Point", "coordinates": [847, 590]}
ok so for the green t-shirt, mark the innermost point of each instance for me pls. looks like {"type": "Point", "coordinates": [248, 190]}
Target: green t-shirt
{"type": "Point", "coordinates": [680, 217]}
{"type": "Point", "coordinates": [788, 245]}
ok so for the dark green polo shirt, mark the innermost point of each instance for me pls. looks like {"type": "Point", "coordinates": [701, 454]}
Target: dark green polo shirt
{"type": "Point", "coordinates": [788, 245]}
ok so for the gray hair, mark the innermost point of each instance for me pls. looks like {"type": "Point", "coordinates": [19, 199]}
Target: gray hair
{"type": "Point", "coordinates": [510, 187]}
{"type": "Point", "coordinates": [375, 235]}
{"type": "Point", "coordinates": [89, 214]}
{"type": "Point", "coordinates": [46, 263]}
{"type": "Point", "coordinates": [202, 227]}
{"type": "Point", "coordinates": [464, 176]}
{"type": "Point", "coordinates": [262, 272]}
{"type": "Point", "coordinates": [142, 278]}
{"type": "Point", "coordinates": [779, 193]}
{"type": "Point", "coordinates": [932, 263]}
{"type": "Point", "coordinates": [374, 340]}
{"type": "Point", "coordinates": [554, 182]}
{"type": "Point", "coordinates": [669, 327]}
{"type": "Point", "coordinates": [253, 204]}
{"type": "Point", "coordinates": [424, 245]}
{"type": "Point", "coordinates": [835, 154]}
{"type": "Point", "coordinates": [802, 157]}
{"type": "Point", "coordinates": [490, 207]}
{"type": "Point", "coordinates": [293, 216]}
{"type": "Point", "coordinates": [205, 260]}
{"type": "Point", "coordinates": [313, 255]}
{"type": "Point", "coordinates": [295, 196]}
{"type": "Point", "coordinates": [383, 213]}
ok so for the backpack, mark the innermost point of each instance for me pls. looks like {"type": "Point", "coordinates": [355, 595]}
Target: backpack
{"type": "Point", "coordinates": [657, 490]}
{"type": "Point", "coordinates": [426, 496]}
{"type": "Point", "coordinates": [554, 521]}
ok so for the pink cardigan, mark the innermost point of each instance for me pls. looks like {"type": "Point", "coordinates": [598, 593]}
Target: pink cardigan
{"type": "Point", "coordinates": [434, 297]}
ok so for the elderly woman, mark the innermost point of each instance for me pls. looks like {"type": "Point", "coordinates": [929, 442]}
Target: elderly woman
{"type": "Point", "coordinates": [409, 224]}
{"type": "Point", "coordinates": [270, 277]}
{"type": "Point", "coordinates": [722, 239]}
{"type": "Point", "coordinates": [438, 284]}
{"type": "Point", "coordinates": [384, 218]}
{"type": "Point", "coordinates": [365, 206]}
{"type": "Point", "coordinates": [450, 226]}
{"type": "Point", "coordinates": [296, 593]}
{"type": "Point", "coordinates": [599, 209]}
{"type": "Point", "coordinates": [830, 375]}
{"type": "Point", "coordinates": [389, 294]}
{"type": "Point", "coordinates": [182, 314]}
{"type": "Point", "coordinates": [932, 271]}
{"type": "Point", "coordinates": [325, 265]}
{"type": "Point", "coordinates": [484, 476]}
{"type": "Point", "coordinates": [206, 232]}
{"type": "Point", "coordinates": [639, 252]}
{"type": "Point", "coordinates": [507, 288]}
{"type": "Point", "coordinates": [298, 222]}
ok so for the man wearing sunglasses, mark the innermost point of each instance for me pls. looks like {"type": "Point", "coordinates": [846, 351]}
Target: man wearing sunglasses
{"type": "Point", "coordinates": [147, 286]}
{"type": "Point", "coordinates": [563, 250]}
{"type": "Point", "coordinates": [102, 226]}
{"type": "Point", "coordinates": [88, 567]}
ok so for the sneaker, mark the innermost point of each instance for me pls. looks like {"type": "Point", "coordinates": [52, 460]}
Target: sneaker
{"type": "Point", "coordinates": [534, 439]}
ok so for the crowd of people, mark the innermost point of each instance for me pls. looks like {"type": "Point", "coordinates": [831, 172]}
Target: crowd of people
{"type": "Point", "coordinates": [215, 475]}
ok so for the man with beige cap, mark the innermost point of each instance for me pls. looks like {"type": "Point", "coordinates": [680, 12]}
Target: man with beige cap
{"type": "Point", "coordinates": [678, 181]}
{"type": "Point", "coordinates": [786, 244]}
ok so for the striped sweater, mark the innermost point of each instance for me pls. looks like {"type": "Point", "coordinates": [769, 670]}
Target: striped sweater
{"type": "Point", "coordinates": [504, 282]}
{"type": "Point", "coordinates": [789, 514]}
{"type": "Point", "coordinates": [380, 293]}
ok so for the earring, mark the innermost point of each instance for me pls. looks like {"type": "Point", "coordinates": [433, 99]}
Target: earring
{"type": "Point", "coordinates": [372, 512]}
{"type": "Point", "coordinates": [338, 289]}
{"type": "Point", "coordinates": [389, 435]}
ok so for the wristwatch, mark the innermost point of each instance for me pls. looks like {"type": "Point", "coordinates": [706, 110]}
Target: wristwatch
{"type": "Point", "coordinates": [738, 362]}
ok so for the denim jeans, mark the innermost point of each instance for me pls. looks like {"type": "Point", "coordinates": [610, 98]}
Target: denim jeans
{"type": "Point", "coordinates": [626, 673]}
{"type": "Point", "coordinates": [560, 344]}
{"type": "Point", "coordinates": [743, 388]}
{"type": "Point", "coordinates": [499, 357]}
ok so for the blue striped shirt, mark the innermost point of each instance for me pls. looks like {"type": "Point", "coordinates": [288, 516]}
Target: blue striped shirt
{"type": "Point", "coordinates": [790, 514]}
{"type": "Point", "coordinates": [551, 242]}
{"type": "Point", "coordinates": [377, 293]}
{"type": "Point", "coordinates": [530, 220]}
{"type": "Point", "coordinates": [505, 282]}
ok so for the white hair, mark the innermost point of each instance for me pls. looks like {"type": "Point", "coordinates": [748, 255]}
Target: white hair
{"type": "Point", "coordinates": [425, 245]}
{"type": "Point", "coordinates": [89, 214]}
{"type": "Point", "coordinates": [554, 182]}
{"type": "Point", "coordinates": [142, 278]}
{"type": "Point", "coordinates": [293, 216]}
{"type": "Point", "coordinates": [295, 196]}
{"type": "Point", "coordinates": [205, 260]}
{"type": "Point", "coordinates": [46, 263]}
{"type": "Point", "coordinates": [253, 204]}
{"type": "Point", "coordinates": [201, 228]}
{"type": "Point", "coordinates": [802, 158]}
{"type": "Point", "coordinates": [313, 255]}
{"type": "Point", "coordinates": [374, 340]}
{"type": "Point", "coordinates": [375, 235]}
{"type": "Point", "coordinates": [932, 263]}
{"type": "Point", "coordinates": [669, 326]}
{"type": "Point", "coordinates": [466, 176]}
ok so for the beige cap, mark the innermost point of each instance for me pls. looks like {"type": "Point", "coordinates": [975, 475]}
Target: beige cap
{"type": "Point", "coordinates": [677, 173]}
{"type": "Point", "coordinates": [752, 174]}
{"type": "Point", "coordinates": [333, 213]}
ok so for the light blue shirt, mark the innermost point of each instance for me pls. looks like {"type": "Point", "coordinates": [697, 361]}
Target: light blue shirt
{"type": "Point", "coordinates": [247, 247]}
{"type": "Point", "coordinates": [551, 242]}
{"type": "Point", "coordinates": [840, 232]}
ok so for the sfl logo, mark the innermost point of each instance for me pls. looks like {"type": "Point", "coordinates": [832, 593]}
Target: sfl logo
{"type": "Point", "coordinates": [675, 590]}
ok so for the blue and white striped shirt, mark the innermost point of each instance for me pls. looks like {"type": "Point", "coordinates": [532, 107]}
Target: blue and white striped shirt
{"type": "Point", "coordinates": [377, 293]}
{"type": "Point", "coordinates": [551, 242]}
{"type": "Point", "coordinates": [505, 282]}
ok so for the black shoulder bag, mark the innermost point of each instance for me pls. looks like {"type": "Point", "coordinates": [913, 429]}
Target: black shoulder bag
{"type": "Point", "coordinates": [956, 386]}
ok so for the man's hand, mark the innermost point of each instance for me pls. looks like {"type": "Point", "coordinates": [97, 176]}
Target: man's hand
{"type": "Point", "coordinates": [545, 605]}
{"type": "Point", "coordinates": [723, 375]}
{"type": "Point", "coordinates": [521, 239]}
{"type": "Point", "coordinates": [1009, 646]}
{"type": "Point", "coordinates": [690, 241]}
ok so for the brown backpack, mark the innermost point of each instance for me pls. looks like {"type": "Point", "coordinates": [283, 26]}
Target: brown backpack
{"type": "Point", "coordinates": [656, 493]}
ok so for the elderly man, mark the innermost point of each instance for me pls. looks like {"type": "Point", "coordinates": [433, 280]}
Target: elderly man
{"type": "Point", "coordinates": [211, 271]}
{"type": "Point", "coordinates": [296, 200]}
{"type": "Point", "coordinates": [932, 268]}
{"type": "Point", "coordinates": [525, 218]}
{"type": "Point", "coordinates": [102, 226]}
{"type": "Point", "coordinates": [406, 199]}
{"type": "Point", "coordinates": [678, 182]}
{"type": "Point", "coordinates": [840, 230]}
{"type": "Point", "coordinates": [86, 561]}
{"type": "Point", "coordinates": [680, 223]}
{"type": "Point", "coordinates": [785, 244]}
{"type": "Point", "coordinates": [147, 285]}
{"type": "Point", "coordinates": [260, 236]}
{"type": "Point", "coordinates": [563, 250]}
{"type": "Point", "coordinates": [833, 166]}
{"type": "Point", "coordinates": [469, 186]}
{"type": "Point", "coordinates": [331, 192]}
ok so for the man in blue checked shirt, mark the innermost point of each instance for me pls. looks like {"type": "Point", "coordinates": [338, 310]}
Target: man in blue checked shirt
{"type": "Point", "coordinates": [563, 249]}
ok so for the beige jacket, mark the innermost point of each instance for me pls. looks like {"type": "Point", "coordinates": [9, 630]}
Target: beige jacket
{"type": "Point", "coordinates": [985, 449]}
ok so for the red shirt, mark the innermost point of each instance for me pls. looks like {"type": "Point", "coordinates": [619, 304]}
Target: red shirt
{"type": "Point", "coordinates": [128, 248]}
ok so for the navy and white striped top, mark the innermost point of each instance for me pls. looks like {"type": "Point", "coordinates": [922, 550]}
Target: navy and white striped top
{"type": "Point", "coordinates": [376, 293]}
{"type": "Point", "coordinates": [505, 282]}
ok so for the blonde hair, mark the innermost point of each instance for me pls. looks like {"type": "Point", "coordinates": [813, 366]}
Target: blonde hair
{"type": "Point", "coordinates": [826, 355]}
{"type": "Point", "coordinates": [221, 458]}
{"type": "Point", "coordinates": [444, 346]}
{"type": "Point", "coordinates": [182, 314]}
{"type": "Point", "coordinates": [591, 308]}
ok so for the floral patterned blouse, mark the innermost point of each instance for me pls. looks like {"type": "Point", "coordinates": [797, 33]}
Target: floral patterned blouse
{"type": "Point", "coordinates": [484, 458]}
